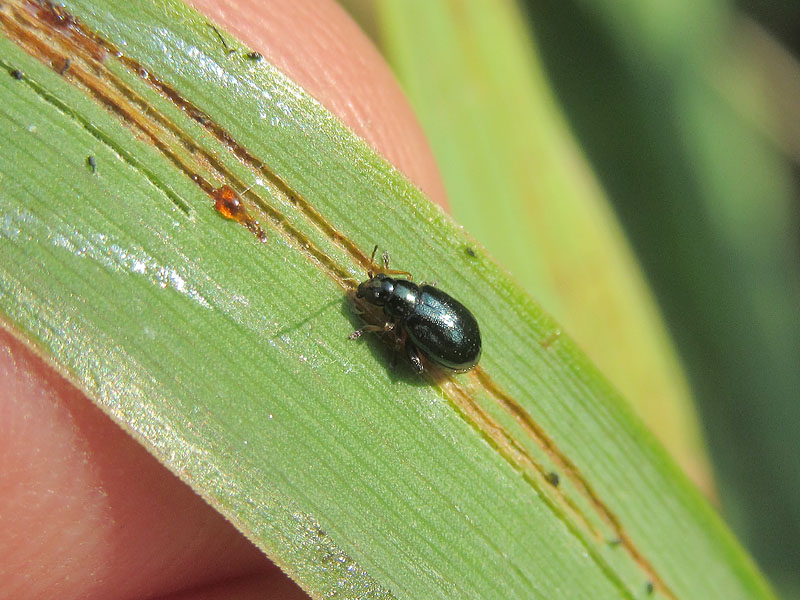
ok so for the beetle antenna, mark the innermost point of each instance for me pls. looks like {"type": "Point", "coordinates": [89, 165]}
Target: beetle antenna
{"type": "Point", "coordinates": [398, 272]}
{"type": "Point", "coordinates": [375, 268]}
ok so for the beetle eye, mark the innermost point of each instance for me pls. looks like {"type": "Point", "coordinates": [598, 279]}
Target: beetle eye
{"type": "Point", "coordinates": [376, 290]}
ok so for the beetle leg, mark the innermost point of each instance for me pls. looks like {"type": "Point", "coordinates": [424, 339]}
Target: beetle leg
{"type": "Point", "coordinates": [388, 326]}
{"type": "Point", "coordinates": [396, 272]}
{"type": "Point", "coordinates": [413, 356]}
{"type": "Point", "coordinates": [351, 283]}
{"type": "Point", "coordinates": [399, 340]}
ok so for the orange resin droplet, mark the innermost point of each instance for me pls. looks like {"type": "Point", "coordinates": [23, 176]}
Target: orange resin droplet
{"type": "Point", "coordinates": [228, 203]}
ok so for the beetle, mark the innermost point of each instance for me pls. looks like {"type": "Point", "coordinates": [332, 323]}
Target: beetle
{"type": "Point", "coordinates": [427, 320]}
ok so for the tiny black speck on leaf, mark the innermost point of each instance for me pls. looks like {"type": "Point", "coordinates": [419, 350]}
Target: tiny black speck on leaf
{"type": "Point", "coordinates": [90, 160]}
{"type": "Point", "coordinates": [17, 74]}
{"type": "Point", "coordinates": [254, 55]}
{"type": "Point", "coordinates": [553, 478]}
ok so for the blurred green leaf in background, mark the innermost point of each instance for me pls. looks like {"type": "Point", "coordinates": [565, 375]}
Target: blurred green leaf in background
{"type": "Point", "coordinates": [670, 102]}
{"type": "Point", "coordinates": [712, 207]}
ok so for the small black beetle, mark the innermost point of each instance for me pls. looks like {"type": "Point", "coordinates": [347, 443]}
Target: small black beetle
{"type": "Point", "coordinates": [428, 321]}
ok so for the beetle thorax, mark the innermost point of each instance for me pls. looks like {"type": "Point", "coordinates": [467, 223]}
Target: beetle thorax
{"type": "Point", "coordinates": [403, 299]}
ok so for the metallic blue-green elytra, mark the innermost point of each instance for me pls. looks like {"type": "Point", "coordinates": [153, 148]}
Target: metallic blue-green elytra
{"type": "Point", "coordinates": [436, 325]}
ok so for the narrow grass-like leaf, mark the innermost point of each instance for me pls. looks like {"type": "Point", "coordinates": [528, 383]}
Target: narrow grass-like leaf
{"type": "Point", "coordinates": [226, 353]}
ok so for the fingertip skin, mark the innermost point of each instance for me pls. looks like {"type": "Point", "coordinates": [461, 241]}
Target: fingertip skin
{"type": "Point", "coordinates": [86, 511]}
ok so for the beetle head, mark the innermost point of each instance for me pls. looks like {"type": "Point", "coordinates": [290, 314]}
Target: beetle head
{"type": "Point", "coordinates": [376, 290]}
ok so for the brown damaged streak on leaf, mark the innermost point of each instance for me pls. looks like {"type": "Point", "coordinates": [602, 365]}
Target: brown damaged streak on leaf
{"type": "Point", "coordinates": [258, 166]}
{"type": "Point", "coordinates": [533, 473]}
{"type": "Point", "coordinates": [571, 471]}
{"type": "Point", "coordinates": [514, 453]}
{"type": "Point", "coordinates": [224, 137]}
{"type": "Point", "coordinates": [87, 74]}
{"type": "Point", "coordinates": [118, 98]}
{"type": "Point", "coordinates": [71, 38]}
{"type": "Point", "coordinates": [56, 38]}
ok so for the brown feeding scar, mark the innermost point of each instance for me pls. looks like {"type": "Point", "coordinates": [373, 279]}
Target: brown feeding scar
{"type": "Point", "coordinates": [568, 468]}
{"type": "Point", "coordinates": [56, 38]}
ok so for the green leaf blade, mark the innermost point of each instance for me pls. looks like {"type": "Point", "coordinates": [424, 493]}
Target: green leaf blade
{"type": "Point", "coordinates": [229, 359]}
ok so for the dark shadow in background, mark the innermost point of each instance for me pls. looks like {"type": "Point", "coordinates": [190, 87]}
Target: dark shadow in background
{"type": "Point", "coordinates": [781, 17]}
{"type": "Point", "coordinates": [748, 387]}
